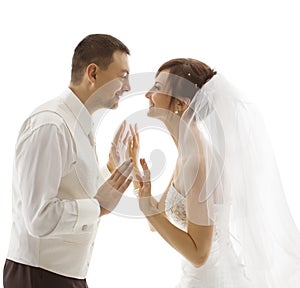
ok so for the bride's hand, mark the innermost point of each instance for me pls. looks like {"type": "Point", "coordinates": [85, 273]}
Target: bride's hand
{"type": "Point", "coordinates": [147, 203]}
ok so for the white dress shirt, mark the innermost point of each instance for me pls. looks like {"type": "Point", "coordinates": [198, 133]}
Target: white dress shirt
{"type": "Point", "coordinates": [55, 178]}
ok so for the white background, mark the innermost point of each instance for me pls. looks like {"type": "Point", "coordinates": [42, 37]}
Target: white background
{"type": "Point", "coordinates": [254, 43]}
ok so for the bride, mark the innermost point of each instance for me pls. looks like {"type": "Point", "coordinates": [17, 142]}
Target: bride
{"type": "Point", "coordinates": [224, 209]}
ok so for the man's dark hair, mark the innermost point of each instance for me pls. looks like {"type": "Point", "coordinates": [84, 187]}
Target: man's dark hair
{"type": "Point", "coordinates": [94, 48]}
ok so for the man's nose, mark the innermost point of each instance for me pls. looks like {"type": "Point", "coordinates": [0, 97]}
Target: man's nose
{"type": "Point", "coordinates": [126, 86]}
{"type": "Point", "coordinates": [148, 95]}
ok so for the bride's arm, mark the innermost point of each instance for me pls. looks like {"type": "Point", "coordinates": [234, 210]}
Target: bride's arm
{"type": "Point", "coordinates": [161, 203]}
{"type": "Point", "coordinates": [162, 200]}
{"type": "Point", "coordinates": [194, 244]}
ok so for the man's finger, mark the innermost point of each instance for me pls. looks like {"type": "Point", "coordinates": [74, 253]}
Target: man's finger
{"type": "Point", "coordinates": [120, 170]}
{"type": "Point", "coordinates": [131, 130]}
{"type": "Point", "coordinates": [123, 178]}
{"type": "Point", "coordinates": [120, 132]}
{"type": "Point", "coordinates": [126, 173]}
{"type": "Point", "coordinates": [136, 132]}
{"type": "Point", "coordinates": [125, 138]}
{"type": "Point", "coordinates": [133, 133]}
{"type": "Point", "coordinates": [122, 174]}
{"type": "Point", "coordinates": [125, 185]}
{"type": "Point", "coordinates": [115, 153]}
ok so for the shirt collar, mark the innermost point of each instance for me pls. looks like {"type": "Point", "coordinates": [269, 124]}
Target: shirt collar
{"type": "Point", "coordinates": [79, 110]}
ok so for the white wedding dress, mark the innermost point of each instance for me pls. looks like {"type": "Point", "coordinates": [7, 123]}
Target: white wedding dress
{"type": "Point", "coordinates": [256, 243]}
{"type": "Point", "coordinates": [222, 268]}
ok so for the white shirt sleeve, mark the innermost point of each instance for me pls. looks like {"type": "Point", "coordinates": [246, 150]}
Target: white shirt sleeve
{"type": "Point", "coordinates": [43, 156]}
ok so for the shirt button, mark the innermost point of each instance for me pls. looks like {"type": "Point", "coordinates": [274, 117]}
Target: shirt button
{"type": "Point", "coordinates": [84, 228]}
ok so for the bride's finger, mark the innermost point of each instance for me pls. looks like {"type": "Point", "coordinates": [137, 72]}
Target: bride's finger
{"type": "Point", "coordinates": [139, 178]}
{"type": "Point", "coordinates": [141, 182]}
{"type": "Point", "coordinates": [142, 192]}
{"type": "Point", "coordinates": [145, 169]}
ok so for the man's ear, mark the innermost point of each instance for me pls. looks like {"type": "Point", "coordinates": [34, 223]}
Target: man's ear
{"type": "Point", "coordinates": [91, 70]}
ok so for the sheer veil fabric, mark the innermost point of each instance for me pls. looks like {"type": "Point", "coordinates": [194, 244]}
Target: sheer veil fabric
{"type": "Point", "coordinates": [242, 195]}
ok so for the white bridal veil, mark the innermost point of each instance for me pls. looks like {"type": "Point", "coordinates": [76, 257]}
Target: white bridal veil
{"type": "Point", "coordinates": [241, 178]}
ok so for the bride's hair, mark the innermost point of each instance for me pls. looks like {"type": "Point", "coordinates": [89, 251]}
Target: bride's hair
{"type": "Point", "coordinates": [193, 74]}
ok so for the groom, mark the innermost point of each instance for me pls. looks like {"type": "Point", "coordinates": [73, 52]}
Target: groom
{"type": "Point", "coordinates": [57, 202]}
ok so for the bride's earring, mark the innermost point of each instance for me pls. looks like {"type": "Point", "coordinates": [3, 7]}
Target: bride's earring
{"type": "Point", "coordinates": [176, 112]}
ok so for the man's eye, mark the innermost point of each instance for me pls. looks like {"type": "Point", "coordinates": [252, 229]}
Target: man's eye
{"type": "Point", "coordinates": [124, 77]}
{"type": "Point", "coordinates": [156, 87]}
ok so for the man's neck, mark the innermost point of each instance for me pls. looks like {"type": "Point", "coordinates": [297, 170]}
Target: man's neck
{"type": "Point", "coordinates": [79, 92]}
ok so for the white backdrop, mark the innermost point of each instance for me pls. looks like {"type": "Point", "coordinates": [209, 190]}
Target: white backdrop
{"type": "Point", "coordinates": [254, 43]}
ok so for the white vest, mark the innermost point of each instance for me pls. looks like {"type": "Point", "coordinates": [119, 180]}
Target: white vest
{"type": "Point", "coordinates": [69, 255]}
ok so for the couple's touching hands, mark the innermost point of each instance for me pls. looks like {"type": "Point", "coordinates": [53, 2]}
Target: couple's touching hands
{"type": "Point", "coordinates": [124, 163]}
{"type": "Point", "coordinates": [128, 146]}
{"type": "Point", "coordinates": [124, 147]}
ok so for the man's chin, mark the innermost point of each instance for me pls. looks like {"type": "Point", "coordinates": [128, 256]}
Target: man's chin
{"type": "Point", "coordinates": [151, 112]}
{"type": "Point", "coordinates": [114, 106]}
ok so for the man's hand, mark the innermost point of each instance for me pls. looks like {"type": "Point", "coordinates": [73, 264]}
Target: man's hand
{"type": "Point", "coordinates": [110, 193]}
{"type": "Point", "coordinates": [118, 150]}
{"type": "Point", "coordinates": [134, 145]}
{"type": "Point", "coordinates": [133, 152]}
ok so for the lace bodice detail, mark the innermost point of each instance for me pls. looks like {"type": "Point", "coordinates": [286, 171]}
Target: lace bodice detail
{"type": "Point", "coordinates": [176, 208]}
{"type": "Point", "coordinates": [222, 265]}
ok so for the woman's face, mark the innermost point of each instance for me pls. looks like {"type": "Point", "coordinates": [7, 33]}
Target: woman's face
{"type": "Point", "coordinates": [159, 97]}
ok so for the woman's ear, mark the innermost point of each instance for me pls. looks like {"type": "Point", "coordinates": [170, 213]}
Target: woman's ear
{"type": "Point", "coordinates": [182, 105]}
{"type": "Point", "coordinates": [187, 101]}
